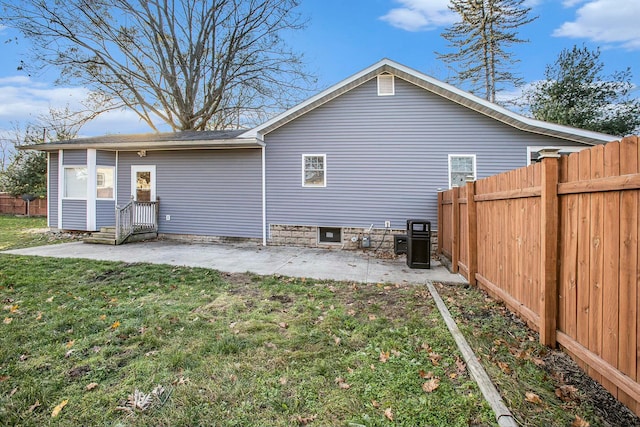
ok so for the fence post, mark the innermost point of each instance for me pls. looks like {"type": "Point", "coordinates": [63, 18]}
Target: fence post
{"type": "Point", "coordinates": [472, 230]}
{"type": "Point", "coordinates": [440, 229]}
{"type": "Point", "coordinates": [455, 223]}
{"type": "Point", "coordinates": [549, 247]}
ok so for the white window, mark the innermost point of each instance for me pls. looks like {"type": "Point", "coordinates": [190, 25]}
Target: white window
{"type": "Point", "coordinates": [460, 167]}
{"type": "Point", "coordinates": [75, 182]}
{"type": "Point", "coordinates": [386, 86]}
{"type": "Point", "coordinates": [314, 170]}
{"type": "Point", "coordinates": [105, 182]}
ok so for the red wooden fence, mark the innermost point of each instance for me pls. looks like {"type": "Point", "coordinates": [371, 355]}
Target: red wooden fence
{"type": "Point", "coordinates": [17, 206]}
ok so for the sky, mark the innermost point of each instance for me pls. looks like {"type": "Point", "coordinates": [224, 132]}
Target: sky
{"type": "Point", "coordinates": [345, 36]}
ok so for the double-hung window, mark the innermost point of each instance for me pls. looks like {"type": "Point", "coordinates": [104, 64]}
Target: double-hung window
{"type": "Point", "coordinates": [75, 182]}
{"type": "Point", "coordinates": [314, 170]}
{"type": "Point", "coordinates": [460, 167]}
{"type": "Point", "coordinates": [105, 182]}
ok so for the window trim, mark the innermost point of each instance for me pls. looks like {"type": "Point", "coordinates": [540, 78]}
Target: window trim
{"type": "Point", "coordinates": [64, 182]}
{"type": "Point", "coordinates": [324, 162]}
{"type": "Point", "coordinates": [143, 168]}
{"type": "Point", "coordinates": [475, 163]}
{"type": "Point", "coordinates": [113, 168]}
{"type": "Point", "coordinates": [391, 77]}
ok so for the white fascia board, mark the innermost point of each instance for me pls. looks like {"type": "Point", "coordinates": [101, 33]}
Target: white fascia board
{"type": "Point", "coordinates": [159, 145]}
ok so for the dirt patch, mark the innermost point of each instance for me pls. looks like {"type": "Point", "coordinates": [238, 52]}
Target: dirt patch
{"type": "Point", "coordinates": [78, 371]}
{"type": "Point", "coordinates": [564, 370]}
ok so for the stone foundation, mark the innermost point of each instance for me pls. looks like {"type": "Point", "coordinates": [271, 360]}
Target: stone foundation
{"type": "Point", "coordinates": [196, 238]}
{"type": "Point", "coordinates": [307, 236]}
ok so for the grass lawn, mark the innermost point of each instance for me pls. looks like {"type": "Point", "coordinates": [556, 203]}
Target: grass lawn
{"type": "Point", "coordinates": [22, 232]}
{"type": "Point", "coordinates": [102, 343]}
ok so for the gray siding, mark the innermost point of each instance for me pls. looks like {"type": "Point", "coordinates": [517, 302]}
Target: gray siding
{"type": "Point", "coordinates": [52, 196]}
{"type": "Point", "coordinates": [74, 157]}
{"type": "Point", "coordinates": [74, 214]}
{"type": "Point", "coordinates": [206, 192]}
{"type": "Point", "coordinates": [105, 158]}
{"type": "Point", "coordinates": [386, 156]}
{"type": "Point", "coordinates": [105, 213]}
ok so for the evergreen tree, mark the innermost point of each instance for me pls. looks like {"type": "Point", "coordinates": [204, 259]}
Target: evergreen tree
{"type": "Point", "coordinates": [576, 93]}
{"type": "Point", "coordinates": [480, 38]}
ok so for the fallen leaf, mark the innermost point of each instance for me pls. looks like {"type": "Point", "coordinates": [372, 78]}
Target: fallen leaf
{"type": "Point", "coordinates": [91, 386]}
{"type": "Point", "coordinates": [282, 380]}
{"type": "Point", "coordinates": [283, 325]}
{"type": "Point", "coordinates": [388, 414]}
{"type": "Point", "coordinates": [68, 353]}
{"type": "Point", "coordinates": [373, 367]}
{"type": "Point", "coordinates": [341, 383]}
{"type": "Point", "coordinates": [384, 356]}
{"type": "Point", "coordinates": [115, 324]}
{"type": "Point", "coordinates": [504, 367]}
{"type": "Point", "coordinates": [103, 317]}
{"type": "Point", "coordinates": [50, 299]}
{"type": "Point", "coordinates": [396, 353]}
{"type": "Point", "coordinates": [372, 317]}
{"type": "Point", "coordinates": [7, 320]}
{"type": "Point", "coordinates": [70, 344]}
{"type": "Point", "coordinates": [453, 375]}
{"type": "Point", "coordinates": [537, 361]}
{"type": "Point", "coordinates": [13, 308]}
{"type": "Point", "coordinates": [39, 316]}
{"type": "Point", "coordinates": [435, 358]}
{"type": "Point", "coordinates": [306, 420]}
{"type": "Point", "coordinates": [58, 408]}
{"type": "Point", "coordinates": [351, 312]}
{"type": "Point", "coordinates": [426, 347]}
{"type": "Point", "coordinates": [375, 404]}
{"type": "Point", "coordinates": [14, 391]}
{"type": "Point", "coordinates": [4, 378]}
{"type": "Point", "coordinates": [579, 422]}
{"type": "Point", "coordinates": [533, 398]}
{"type": "Point", "coordinates": [34, 406]}
{"type": "Point", "coordinates": [270, 345]}
{"type": "Point", "coordinates": [431, 385]}
{"type": "Point", "coordinates": [337, 340]}
{"type": "Point", "coordinates": [424, 374]}
{"type": "Point", "coordinates": [460, 365]}
{"type": "Point", "coordinates": [567, 393]}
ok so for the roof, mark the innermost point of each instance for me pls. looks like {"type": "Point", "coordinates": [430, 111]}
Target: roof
{"type": "Point", "coordinates": [156, 141]}
{"type": "Point", "coordinates": [435, 86]}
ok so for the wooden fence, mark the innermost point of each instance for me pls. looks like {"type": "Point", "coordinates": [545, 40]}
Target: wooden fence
{"type": "Point", "coordinates": [557, 241]}
{"type": "Point", "coordinates": [17, 206]}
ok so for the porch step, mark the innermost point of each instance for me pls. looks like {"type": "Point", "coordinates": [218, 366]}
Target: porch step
{"type": "Point", "coordinates": [107, 236]}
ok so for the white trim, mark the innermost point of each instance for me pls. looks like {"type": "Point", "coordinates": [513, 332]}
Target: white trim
{"type": "Point", "coordinates": [475, 164]}
{"type": "Point", "coordinates": [381, 84]}
{"type": "Point", "coordinates": [91, 189]}
{"type": "Point", "coordinates": [60, 186]}
{"type": "Point", "coordinates": [143, 168]}
{"type": "Point", "coordinates": [442, 89]}
{"type": "Point", "coordinates": [563, 149]}
{"type": "Point", "coordinates": [115, 179]}
{"type": "Point", "coordinates": [48, 189]}
{"type": "Point", "coordinates": [324, 162]}
{"type": "Point", "coordinates": [264, 199]}
{"type": "Point", "coordinates": [63, 183]}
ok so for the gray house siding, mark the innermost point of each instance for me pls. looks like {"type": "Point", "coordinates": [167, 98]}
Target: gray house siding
{"type": "Point", "coordinates": [205, 192]}
{"type": "Point", "coordinates": [386, 156]}
{"type": "Point", "coordinates": [74, 214]}
{"type": "Point", "coordinates": [74, 157]}
{"type": "Point", "coordinates": [52, 196]}
{"type": "Point", "coordinates": [105, 209]}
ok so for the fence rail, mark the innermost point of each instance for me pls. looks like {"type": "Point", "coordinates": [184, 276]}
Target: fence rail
{"type": "Point", "coordinates": [558, 242]}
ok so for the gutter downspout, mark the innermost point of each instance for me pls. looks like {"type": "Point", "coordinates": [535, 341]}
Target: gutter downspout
{"type": "Point", "coordinates": [264, 197]}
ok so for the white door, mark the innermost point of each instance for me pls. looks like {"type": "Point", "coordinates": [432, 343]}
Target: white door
{"type": "Point", "coordinates": [143, 183]}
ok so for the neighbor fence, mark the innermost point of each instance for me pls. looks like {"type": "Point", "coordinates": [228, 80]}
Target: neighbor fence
{"type": "Point", "coordinates": [17, 206]}
{"type": "Point", "coordinates": [557, 241]}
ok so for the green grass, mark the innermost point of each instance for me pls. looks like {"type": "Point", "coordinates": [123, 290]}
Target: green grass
{"type": "Point", "coordinates": [22, 232]}
{"type": "Point", "coordinates": [229, 349]}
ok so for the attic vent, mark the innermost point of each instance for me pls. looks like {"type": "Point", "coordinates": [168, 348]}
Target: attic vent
{"type": "Point", "coordinates": [386, 85]}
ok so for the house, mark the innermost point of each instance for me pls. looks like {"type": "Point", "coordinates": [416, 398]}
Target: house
{"type": "Point", "coordinates": [357, 159]}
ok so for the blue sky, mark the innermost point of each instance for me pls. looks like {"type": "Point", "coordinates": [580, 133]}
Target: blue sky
{"type": "Point", "coordinates": [345, 36]}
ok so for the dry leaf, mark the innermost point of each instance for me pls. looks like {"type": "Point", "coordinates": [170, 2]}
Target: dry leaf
{"type": "Point", "coordinates": [375, 404]}
{"type": "Point", "coordinates": [103, 317]}
{"type": "Point", "coordinates": [342, 384]}
{"type": "Point", "coordinates": [384, 356]}
{"type": "Point", "coordinates": [351, 312]}
{"type": "Point", "coordinates": [388, 414]}
{"type": "Point", "coordinates": [396, 353]}
{"type": "Point", "coordinates": [58, 408]}
{"type": "Point", "coordinates": [533, 398]}
{"type": "Point", "coordinates": [50, 299]}
{"type": "Point", "coordinates": [7, 320]}
{"type": "Point", "coordinates": [39, 316]}
{"type": "Point", "coordinates": [431, 385]}
{"type": "Point", "coordinates": [91, 386]}
{"type": "Point", "coordinates": [306, 420]}
{"type": "Point", "coordinates": [537, 361]}
{"type": "Point", "coordinates": [70, 344]}
{"type": "Point", "coordinates": [34, 406]}
{"type": "Point", "coordinates": [579, 422]}
{"type": "Point", "coordinates": [282, 380]}
{"type": "Point", "coordinates": [270, 345]}
{"type": "Point", "coordinates": [372, 317]}
{"type": "Point", "coordinates": [505, 367]}
{"type": "Point", "coordinates": [435, 358]}
{"type": "Point", "coordinates": [115, 324]}
{"type": "Point", "coordinates": [424, 374]}
{"type": "Point", "coordinates": [14, 391]}
{"type": "Point", "coordinates": [426, 347]}
{"type": "Point", "coordinates": [453, 375]}
{"type": "Point", "coordinates": [337, 340]}
{"type": "Point", "coordinates": [4, 378]}
{"type": "Point", "coordinates": [567, 393]}
{"type": "Point", "coordinates": [460, 365]}
{"type": "Point", "coordinates": [283, 325]}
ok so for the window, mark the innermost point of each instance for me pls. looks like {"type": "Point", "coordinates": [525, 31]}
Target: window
{"type": "Point", "coordinates": [314, 170]}
{"type": "Point", "coordinates": [75, 182]}
{"type": "Point", "coordinates": [386, 86]}
{"type": "Point", "coordinates": [104, 182]}
{"type": "Point", "coordinates": [460, 167]}
{"type": "Point", "coordinates": [329, 235]}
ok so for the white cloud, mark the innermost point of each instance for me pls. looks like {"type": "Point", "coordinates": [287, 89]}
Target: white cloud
{"type": "Point", "coordinates": [572, 3]}
{"type": "Point", "coordinates": [23, 100]}
{"type": "Point", "coordinates": [417, 15]}
{"type": "Point", "coordinates": [605, 21]}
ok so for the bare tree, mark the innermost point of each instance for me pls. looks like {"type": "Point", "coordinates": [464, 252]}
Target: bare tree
{"type": "Point", "coordinates": [185, 62]}
{"type": "Point", "coordinates": [485, 29]}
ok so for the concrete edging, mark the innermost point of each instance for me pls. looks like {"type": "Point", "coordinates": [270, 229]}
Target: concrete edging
{"type": "Point", "coordinates": [489, 391]}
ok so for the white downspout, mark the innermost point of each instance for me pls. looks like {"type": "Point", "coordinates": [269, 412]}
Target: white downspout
{"type": "Point", "coordinates": [264, 199]}
{"type": "Point", "coordinates": [61, 184]}
{"type": "Point", "coordinates": [91, 189]}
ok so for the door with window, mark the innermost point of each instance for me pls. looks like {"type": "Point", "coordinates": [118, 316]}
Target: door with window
{"type": "Point", "coordinates": [143, 183]}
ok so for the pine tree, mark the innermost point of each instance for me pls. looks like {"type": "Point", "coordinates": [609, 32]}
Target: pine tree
{"type": "Point", "coordinates": [480, 38]}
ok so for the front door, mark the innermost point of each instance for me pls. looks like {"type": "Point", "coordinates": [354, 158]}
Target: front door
{"type": "Point", "coordinates": [143, 183]}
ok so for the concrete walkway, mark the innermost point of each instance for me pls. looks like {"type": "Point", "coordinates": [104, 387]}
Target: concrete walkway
{"type": "Point", "coordinates": [314, 263]}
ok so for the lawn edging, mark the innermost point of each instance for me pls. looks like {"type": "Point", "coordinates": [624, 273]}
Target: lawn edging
{"type": "Point", "coordinates": [489, 391]}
